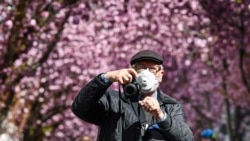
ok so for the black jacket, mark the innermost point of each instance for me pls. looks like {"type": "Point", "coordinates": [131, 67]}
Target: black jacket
{"type": "Point", "coordinates": [118, 118]}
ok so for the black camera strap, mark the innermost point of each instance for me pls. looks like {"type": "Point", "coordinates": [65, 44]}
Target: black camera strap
{"type": "Point", "coordinates": [139, 111]}
{"type": "Point", "coordinates": [143, 121]}
{"type": "Point", "coordinates": [120, 110]}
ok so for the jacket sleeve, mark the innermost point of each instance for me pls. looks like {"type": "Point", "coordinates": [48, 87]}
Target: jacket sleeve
{"type": "Point", "coordinates": [174, 127]}
{"type": "Point", "coordinates": [87, 105]}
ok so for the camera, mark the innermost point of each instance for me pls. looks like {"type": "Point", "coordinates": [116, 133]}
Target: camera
{"type": "Point", "coordinates": [132, 89]}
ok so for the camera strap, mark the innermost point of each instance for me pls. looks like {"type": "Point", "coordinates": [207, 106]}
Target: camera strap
{"type": "Point", "coordinates": [143, 120]}
{"type": "Point", "coordinates": [138, 110]}
{"type": "Point", "coordinates": [120, 110]}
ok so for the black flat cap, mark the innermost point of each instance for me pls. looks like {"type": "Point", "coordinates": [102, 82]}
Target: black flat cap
{"type": "Point", "coordinates": [146, 55]}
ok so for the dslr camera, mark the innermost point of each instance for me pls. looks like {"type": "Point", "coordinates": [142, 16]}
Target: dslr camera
{"type": "Point", "coordinates": [132, 89]}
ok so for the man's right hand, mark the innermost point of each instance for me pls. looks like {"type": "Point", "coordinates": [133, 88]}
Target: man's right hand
{"type": "Point", "coordinates": [122, 76]}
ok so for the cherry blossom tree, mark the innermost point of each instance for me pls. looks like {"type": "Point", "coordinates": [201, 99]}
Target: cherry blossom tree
{"type": "Point", "coordinates": [50, 49]}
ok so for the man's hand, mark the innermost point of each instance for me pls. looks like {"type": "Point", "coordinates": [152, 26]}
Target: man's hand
{"type": "Point", "coordinates": [122, 76]}
{"type": "Point", "coordinates": [151, 105]}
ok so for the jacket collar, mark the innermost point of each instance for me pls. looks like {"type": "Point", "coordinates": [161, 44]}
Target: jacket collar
{"type": "Point", "coordinates": [164, 98]}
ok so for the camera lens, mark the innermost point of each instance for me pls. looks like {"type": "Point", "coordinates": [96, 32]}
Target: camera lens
{"type": "Point", "coordinates": [130, 89]}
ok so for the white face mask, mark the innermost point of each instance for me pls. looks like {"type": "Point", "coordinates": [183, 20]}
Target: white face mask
{"type": "Point", "coordinates": [148, 82]}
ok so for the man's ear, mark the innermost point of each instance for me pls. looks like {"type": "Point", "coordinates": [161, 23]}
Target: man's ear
{"type": "Point", "coordinates": [162, 72]}
{"type": "Point", "coordinates": [160, 75]}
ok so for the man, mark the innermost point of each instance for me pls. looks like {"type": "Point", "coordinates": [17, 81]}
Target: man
{"type": "Point", "coordinates": [148, 114]}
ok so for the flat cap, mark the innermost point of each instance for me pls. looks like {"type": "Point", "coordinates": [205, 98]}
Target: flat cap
{"type": "Point", "coordinates": [146, 55]}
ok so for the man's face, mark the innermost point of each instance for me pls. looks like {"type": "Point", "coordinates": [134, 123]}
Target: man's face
{"type": "Point", "coordinates": [153, 67]}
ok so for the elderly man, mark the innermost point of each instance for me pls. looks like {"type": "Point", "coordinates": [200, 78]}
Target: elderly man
{"type": "Point", "coordinates": [141, 112]}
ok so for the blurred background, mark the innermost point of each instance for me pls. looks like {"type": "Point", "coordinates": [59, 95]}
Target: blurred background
{"type": "Point", "coordinates": [49, 49]}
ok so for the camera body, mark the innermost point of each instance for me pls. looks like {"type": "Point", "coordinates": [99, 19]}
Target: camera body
{"type": "Point", "coordinates": [132, 89]}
